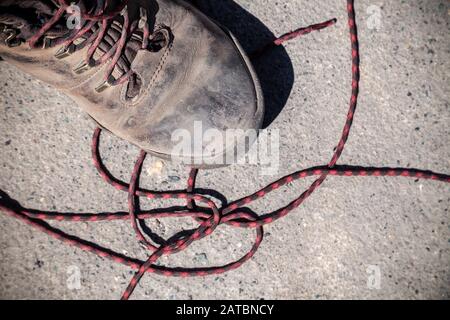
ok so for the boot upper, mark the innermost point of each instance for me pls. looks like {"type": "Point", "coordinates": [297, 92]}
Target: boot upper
{"type": "Point", "coordinates": [194, 79]}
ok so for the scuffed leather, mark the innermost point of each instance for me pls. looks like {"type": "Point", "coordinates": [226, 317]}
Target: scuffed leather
{"type": "Point", "coordinates": [202, 75]}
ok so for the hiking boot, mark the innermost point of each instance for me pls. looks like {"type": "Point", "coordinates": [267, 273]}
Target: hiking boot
{"type": "Point", "coordinates": [157, 73]}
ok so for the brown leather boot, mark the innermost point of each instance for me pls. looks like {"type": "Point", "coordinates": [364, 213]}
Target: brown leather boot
{"type": "Point", "coordinates": [149, 71]}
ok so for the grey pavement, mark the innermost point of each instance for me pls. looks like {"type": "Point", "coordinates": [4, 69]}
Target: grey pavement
{"type": "Point", "coordinates": [368, 238]}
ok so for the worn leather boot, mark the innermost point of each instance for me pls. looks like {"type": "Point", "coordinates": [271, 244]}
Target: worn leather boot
{"type": "Point", "coordinates": [153, 72]}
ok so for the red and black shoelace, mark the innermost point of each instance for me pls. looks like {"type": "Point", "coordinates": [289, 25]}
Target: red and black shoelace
{"type": "Point", "coordinates": [98, 15]}
{"type": "Point", "coordinates": [208, 215]}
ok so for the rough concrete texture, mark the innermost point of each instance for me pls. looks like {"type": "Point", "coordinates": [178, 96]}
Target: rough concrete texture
{"type": "Point", "coordinates": [331, 247]}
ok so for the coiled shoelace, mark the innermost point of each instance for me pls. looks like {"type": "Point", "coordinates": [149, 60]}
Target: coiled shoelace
{"type": "Point", "coordinates": [209, 216]}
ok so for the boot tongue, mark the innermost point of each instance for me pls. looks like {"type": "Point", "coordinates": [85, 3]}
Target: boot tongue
{"type": "Point", "coordinates": [28, 16]}
{"type": "Point", "coordinates": [42, 6]}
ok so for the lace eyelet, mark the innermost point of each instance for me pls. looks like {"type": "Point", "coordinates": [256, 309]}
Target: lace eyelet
{"type": "Point", "coordinates": [11, 36]}
{"type": "Point", "coordinates": [160, 39]}
{"type": "Point", "coordinates": [47, 43]}
{"type": "Point", "coordinates": [65, 51]}
{"type": "Point", "coordinates": [105, 85]}
{"type": "Point", "coordinates": [84, 66]}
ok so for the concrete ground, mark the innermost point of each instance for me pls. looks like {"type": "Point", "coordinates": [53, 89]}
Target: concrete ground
{"type": "Point", "coordinates": [355, 237]}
